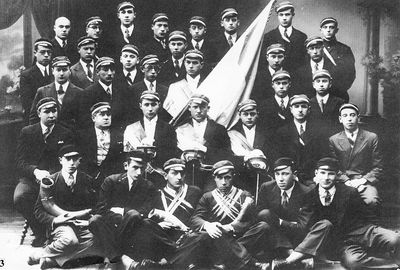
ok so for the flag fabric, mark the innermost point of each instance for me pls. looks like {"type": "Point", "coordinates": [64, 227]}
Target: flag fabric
{"type": "Point", "coordinates": [232, 80]}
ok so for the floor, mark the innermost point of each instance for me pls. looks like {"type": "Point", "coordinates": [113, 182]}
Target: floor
{"type": "Point", "coordinates": [13, 256]}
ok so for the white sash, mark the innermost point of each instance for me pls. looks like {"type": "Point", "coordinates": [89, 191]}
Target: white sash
{"type": "Point", "coordinates": [226, 203]}
{"type": "Point", "coordinates": [177, 201]}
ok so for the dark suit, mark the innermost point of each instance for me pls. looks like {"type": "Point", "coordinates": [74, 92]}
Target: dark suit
{"type": "Point", "coordinates": [302, 78]}
{"type": "Point", "coordinates": [114, 231]}
{"type": "Point", "coordinates": [122, 82]}
{"type": "Point", "coordinates": [272, 115]}
{"type": "Point", "coordinates": [34, 153]}
{"type": "Point", "coordinates": [295, 51]}
{"type": "Point", "coordinates": [152, 46]}
{"type": "Point", "coordinates": [168, 73]}
{"type": "Point", "coordinates": [233, 250]}
{"type": "Point", "coordinates": [344, 59]}
{"type": "Point", "coordinates": [354, 229]}
{"type": "Point", "coordinates": [208, 49]}
{"type": "Point", "coordinates": [68, 113]}
{"type": "Point", "coordinates": [30, 80]}
{"type": "Point", "coordinates": [79, 77]}
{"type": "Point", "coordinates": [221, 45]}
{"type": "Point", "coordinates": [329, 119]}
{"type": "Point", "coordinates": [305, 156]}
{"type": "Point", "coordinates": [262, 88]}
{"type": "Point", "coordinates": [69, 50]}
{"type": "Point", "coordinates": [96, 93]}
{"type": "Point", "coordinates": [88, 148]}
{"type": "Point", "coordinates": [117, 40]}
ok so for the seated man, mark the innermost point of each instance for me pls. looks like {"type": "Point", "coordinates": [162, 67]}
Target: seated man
{"type": "Point", "coordinates": [359, 155]}
{"type": "Point", "coordinates": [124, 199]}
{"type": "Point", "coordinates": [361, 243]}
{"type": "Point", "coordinates": [169, 220]}
{"type": "Point", "coordinates": [180, 92]}
{"type": "Point", "coordinates": [151, 131]}
{"type": "Point", "coordinates": [36, 158]}
{"type": "Point", "coordinates": [64, 206]}
{"type": "Point", "coordinates": [101, 145]}
{"type": "Point", "coordinates": [225, 231]}
{"type": "Point", "coordinates": [325, 106]}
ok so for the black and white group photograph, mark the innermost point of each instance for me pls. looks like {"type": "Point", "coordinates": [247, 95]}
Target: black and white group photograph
{"type": "Point", "coordinates": [200, 134]}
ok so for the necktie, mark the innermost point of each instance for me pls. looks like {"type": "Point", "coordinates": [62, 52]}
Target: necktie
{"type": "Point", "coordinates": [128, 78]}
{"type": "Point", "coordinates": [71, 181]}
{"type": "Point", "coordinates": [328, 198]}
{"type": "Point", "coordinates": [64, 43]}
{"type": "Point", "coordinates": [89, 71]}
{"type": "Point", "coordinates": [60, 90]}
{"type": "Point", "coordinates": [152, 87]}
{"type": "Point", "coordinates": [108, 90]}
{"type": "Point", "coordinates": [127, 34]}
{"type": "Point", "coordinates": [46, 74]}
{"type": "Point", "coordinates": [321, 105]}
{"type": "Point", "coordinates": [230, 41]}
{"type": "Point", "coordinates": [46, 133]}
{"type": "Point", "coordinates": [285, 200]}
{"type": "Point", "coordinates": [301, 130]}
{"type": "Point", "coordinates": [197, 47]}
{"type": "Point", "coordinates": [282, 104]}
{"type": "Point", "coordinates": [176, 64]}
{"type": "Point", "coordinates": [162, 43]}
{"type": "Point", "coordinates": [316, 66]}
{"type": "Point", "coordinates": [286, 35]}
{"type": "Point", "coordinates": [351, 139]}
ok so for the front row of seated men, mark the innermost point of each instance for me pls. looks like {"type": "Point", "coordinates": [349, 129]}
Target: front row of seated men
{"type": "Point", "coordinates": [177, 227]}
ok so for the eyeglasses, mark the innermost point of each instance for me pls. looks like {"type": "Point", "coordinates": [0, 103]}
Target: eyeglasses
{"type": "Point", "coordinates": [150, 67]}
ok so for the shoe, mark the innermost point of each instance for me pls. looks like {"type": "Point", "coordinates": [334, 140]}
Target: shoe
{"type": "Point", "coordinates": [38, 242]}
{"type": "Point", "coordinates": [46, 263]}
{"type": "Point", "coordinates": [219, 267]}
{"type": "Point", "coordinates": [280, 265]}
{"type": "Point", "coordinates": [261, 266]}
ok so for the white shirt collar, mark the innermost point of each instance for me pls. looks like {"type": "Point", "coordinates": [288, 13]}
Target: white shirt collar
{"type": "Point", "coordinates": [60, 41]}
{"type": "Point", "coordinates": [194, 42]}
{"type": "Point", "coordinates": [106, 86]}
{"type": "Point", "coordinates": [44, 128]}
{"type": "Point", "coordinates": [130, 29]}
{"type": "Point", "coordinates": [272, 71]}
{"type": "Point", "coordinates": [43, 68]}
{"type": "Point", "coordinates": [66, 175]}
{"type": "Point", "coordinates": [200, 127]}
{"type": "Point", "coordinates": [171, 190]}
{"type": "Point", "coordinates": [282, 30]}
{"type": "Point", "coordinates": [304, 124]}
{"type": "Point", "coordinates": [324, 99]}
{"type": "Point", "coordinates": [288, 191]}
{"type": "Point", "coordinates": [133, 72]}
{"type": "Point", "coordinates": [84, 64]}
{"type": "Point", "coordinates": [320, 64]}
{"type": "Point", "coordinates": [180, 61]}
{"type": "Point", "coordinates": [250, 133]}
{"type": "Point", "coordinates": [285, 100]}
{"type": "Point", "coordinates": [355, 133]}
{"type": "Point", "coordinates": [322, 193]}
{"type": "Point", "coordinates": [98, 131]}
{"type": "Point", "coordinates": [147, 83]}
{"type": "Point", "coordinates": [130, 181]}
{"type": "Point", "coordinates": [193, 82]}
{"type": "Point", "coordinates": [234, 37]}
{"type": "Point", "coordinates": [152, 121]}
{"type": "Point", "coordinates": [64, 86]}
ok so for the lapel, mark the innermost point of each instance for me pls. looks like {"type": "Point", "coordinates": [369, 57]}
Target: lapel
{"type": "Point", "coordinates": [344, 143]}
{"type": "Point", "coordinates": [36, 73]}
{"type": "Point", "coordinates": [69, 94]}
{"type": "Point", "coordinates": [308, 134]}
{"type": "Point", "coordinates": [158, 132]}
{"type": "Point", "coordinates": [293, 133]}
{"type": "Point", "coordinates": [92, 144]}
{"type": "Point", "coordinates": [341, 201]}
{"type": "Point", "coordinates": [276, 196]}
{"type": "Point", "coordinates": [209, 129]}
{"type": "Point", "coordinates": [358, 145]}
{"type": "Point", "coordinates": [259, 138]}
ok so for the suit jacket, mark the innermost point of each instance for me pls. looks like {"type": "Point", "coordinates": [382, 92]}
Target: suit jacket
{"type": "Point", "coordinates": [34, 153]}
{"type": "Point", "coordinates": [30, 80]}
{"type": "Point", "coordinates": [347, 212]}
{"type": "Point", "coordinates": [363, 160]}
{"type": "Point", "coordinates": [221, 45]}
{"type": "Point", "coordinates": [305, 156]}
{"type": "Point", "coordinates": [81, 197]}
{"type": "Point", "coordinates": [115, 193]}
{"type": "Point", "coordinates": [329, 119]}
{"type": "Point", "coordinates": [295, 50]}
{"type": "Point", "coordinates": [167, 73]}
{"type": "Point", "coordinates": [344, 58]}
{"type": "Point", "coordinates": [112, 164]}
{"type": "Point", "coordinates": [68, 114]}
{"type": "Point", "coordinates": [262, 88]}
{"type": "Point", "coordinates": [121, 80]}
{"type": "Point", "coordinates": [302, 78]}
{"type": "Point", "coordinates": [96, 93]}
{"type": "Point", "coordinates": [133, 99]}
{"type": "Point", "coordinates": [117, 41]}
{"type": "Point", "coordinates": [270, 198]}
{"type": "Point", "coordinates": [79, 78]}
{"type": "Point", "coordinates": [152, 46]}
{"type": "Point", "coordinates": [69, 50]}
{"type": "Point", "coordinates": [208, 49]}
{"type": "Point", "coordinates": [271, 114]}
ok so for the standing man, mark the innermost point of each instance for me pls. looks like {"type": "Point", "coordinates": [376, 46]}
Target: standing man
{"type": "Point", "coordinates": [36, 76]}
{"type": "Point", "coordinates": [230, 23]}
{"type": "Point", "coordinates": [341, 55]}
{"type": "Point", "coordinates": [61, 45]}
{"type": "Point", "coordinates": [94, 29]}
{"type": "Point", "coordinates": [129, 74]}
{"type": "Point", "coordinates": [83, 72]}
{"type": "Point", "coordinates": [285, 34]}
{"type": "Point", "coordinates": [173, 69]}
{"type": "Point", "coordinates": [225, 233]}
{"type": "Point", "coordinates": [124, 200]}
{"type": "Point", "coordinates": [301, 139]}
{"type": "Point", "coordinates": [180, 92]}
{"type": "Point", "coordinates": [72, 193]}
{"type": "Point", "coordinates": [359, 155]}
{"type": "Point", "coordinates": [354, 234]}
{"type": "Point", "coordinates": [36, 158]}
{"type": "Point", "coordinates": [158, 43]}
{"type": "Point", "coordinates": [63, 91]}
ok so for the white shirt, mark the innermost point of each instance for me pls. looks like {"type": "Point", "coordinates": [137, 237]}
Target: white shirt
{"type": "Point", "coordinates": [171, 190]}
{"type": "Point", "coordinates": [199, 128]}
{"type": "Point", "coordinates": [147, 83]}
{"type": "Point", "coordinates": [320, 65]}
{"type": "Point", "coordinates": [349, 135]}
{"type": "Point", "coordinates": [132, 75]}
{"type": "Point", "coordinates": [194, 42]}
{"type": "Point", "coordinates": [272, 71]}
{"type": "Point", "coordinates": [234, 37]}
{"type": "Point", "coordinates": [43, 68]}
{"type": "Point", "coordinates": [193, 83]}
{"type": "Point", "coordinates": [150, 127]}
{"type": "Point", "coordinates": [60, 41]}
{"type": "Point", "coordinates": [288, 191]}
{"type": "Point", "coordinates": [84, 66]}
{"type": "Point", "coordinates": [285, 100]}
{"type": "Point", "coordinates": [130, 181]}
{"type": "Point", "coordinates": [250, 134]}
{"type": "Point", "coordinates": [44, 128]}
{"type": "Point", "coordinates": [66, 177]}
{"type": "Point", "coordinates": [64, 86]}
{"type": "Point", "coordinates": [103, 144]}
{"type": "Point", "coordinates": [324, 99]}
{"type": "Point", "coordinates": [130, 30]}
{"type": "Point", "coordinates": [106, 86]}
{"type": "Point", "coordinates": [298, 126]}
{"type": "Point", "coordinates": [180, 61]}
{"type": "Point", "coordinates": [288, 31]}
{"type": "Point", "coordinates": [322, 193]}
